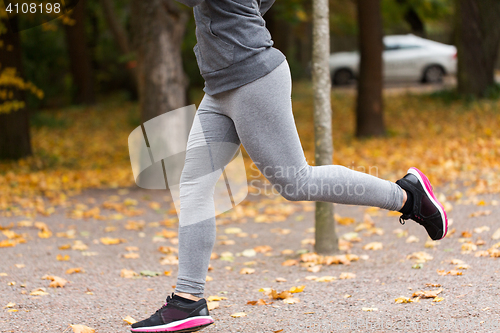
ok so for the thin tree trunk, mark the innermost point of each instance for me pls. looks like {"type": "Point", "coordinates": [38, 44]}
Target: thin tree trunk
{"type": "Point", "coordinates": [478, 41]}
{"type": "Point", "coordinates": [79, 56]}
{"type": "Point", "coordinates": [119, 35]}
{"type": "Point", "coordinates": [369, 110]}
{"type": "Point", "coordinates": [326, 236]}
{"type": "Point", "coordinates": [158, 28]}
{"type": "Point", "coordinates": [412, 18]}
{"type": "Point", "coordinates": [14, 126]}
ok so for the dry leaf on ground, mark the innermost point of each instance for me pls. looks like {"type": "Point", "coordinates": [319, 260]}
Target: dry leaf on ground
{"type": "Point", "coordinates": [326, 279]}
{"type": "Point", "coordinates": [373, 246]}
{"type": "Point", "coordinates": [129, 320]}
{"type": "Point", "coordinates": [346, 276]}
{"type": "Point", "coordinates": [298, 289]}
{"type": "Point", "coordinates": [128, 274]}
{"type": "Point", "coordinates": [427, 293]}
{"type": "Point", "coordinates": [111, 241]}
{"type": "Point", "coordinates": [403, 299]}
{"type": "Point", "coordinates": [9, 305]}
{"type": "Point", "coordinates": [38, 292]}
{"type": "Point", "coordinates": [60, 257]}
{"type": "Point", "coordinates": [421, 256]}
{"type": "Point", "coordinates": [82, 329]}
{"type": "Point", "coordinates": [291, 300]}
{"type": "Point", "coordinates": [57, 282]}
{"type": "Point", "coordinates": [131, 255]}
{"type": "Point", "coordinates": [75, 270]}
{"type": "Point", "coordinates": [212, 305]}
{"type": "Point", "coordinates": [412, 239]}
{"type": "Point", "coordinates": [247, 270]}
{"type": "Point", "coordinates": [369, 309]}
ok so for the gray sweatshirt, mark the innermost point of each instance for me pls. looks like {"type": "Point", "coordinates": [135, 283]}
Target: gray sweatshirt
{"type": "Point", "coordinates": [234, 47]}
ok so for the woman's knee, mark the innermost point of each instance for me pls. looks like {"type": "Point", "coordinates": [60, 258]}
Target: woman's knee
{"type": "Point", "coordinates": [294, 187]}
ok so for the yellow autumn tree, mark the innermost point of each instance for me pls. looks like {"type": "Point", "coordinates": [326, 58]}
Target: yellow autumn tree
{"type": "Point", "coordinates": [14, 120]}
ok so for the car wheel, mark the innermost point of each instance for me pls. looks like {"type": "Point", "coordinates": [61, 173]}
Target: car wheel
{"type": "Point", "coordinates": [342, 77]}
{"type": "Point", "coordinates": [433, 74]}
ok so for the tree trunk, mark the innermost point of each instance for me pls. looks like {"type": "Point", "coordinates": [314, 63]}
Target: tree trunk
{"type": "Point", "coordinates": [158, 28]}
{"type": "Point", "coordinates": [14, 126]}
{"type": "Point", "coordinates": [478, 40]}
{"type": "Point", "coordinates": [79, 56]}
{"type": "Point", "coordinates": [326, 237]}
{"type": "Point", "coordinates": [369, 111]}
{"type": "Point", "coordinates": [120, 37]}
{"type": "Point", "coordinates": [412, 18]}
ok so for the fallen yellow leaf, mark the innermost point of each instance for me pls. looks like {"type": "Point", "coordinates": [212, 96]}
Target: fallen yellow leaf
{"type": "Point", "coordinates": [128, 274]}
{"type": "Point", "coordinates": [412, 239]}
{"type": "Point", "coordinates": [212, 305]}
{"type": "Point", "coordinates": [326, 279]}
{"type": "Point", "coordinates": [131, 255]}
{"type": "Point", "coordinates": [298, 289]}
{"type": "Point", "coordinates": [263, 249]}
{"type": "Point", "coordinates": [111, 241]}
{"type": "Point", "coordinates": [247, 270]}
{"type": "Point", "coordinates": [403, 299]}
{"type": "Point", "coordinates": [9, 305]}
{"type": "Point", "coordinates": [373, 246]}
{"type": "Point", "coordinates": [38, 292]}
{"type": "Point", "coordinates": [82, 329]}
{"type": "Point", "coordinates": [129, 320]}
{"type": "Point", "coordinates": [78, 245]}
{"type": "Point", "coordinates": [291, 300]}
{"type": "Point", "coordinates": [496, 235]}
{"type": "Point", "coordinates": [480, 213]}
{"type": "Point", "coordinates": [57, 282]}
{"type": "Point", "coordinates": [346, 275]}
{"type": "Point", "coordinates": [74, 270]}
{"type": "Point", "coordinates": [290, 262]}
{"type": "Point", "coordinates": [421, 256]}
{"type": "Point", "coordinates": [60, 257]}
{"type": "Point", "coordinates": [427, 293]}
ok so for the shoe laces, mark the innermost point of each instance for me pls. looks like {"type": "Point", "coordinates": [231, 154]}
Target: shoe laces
{"type": "Point", "coordinates": [404, 217]}
{"type": "Point", "coordinates": [402, 220]}
{"type": "Point", "coordinates": [169, 299]}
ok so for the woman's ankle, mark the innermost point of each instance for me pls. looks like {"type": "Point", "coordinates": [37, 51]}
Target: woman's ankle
{"type": "Point", "coordinates": [188, 296]}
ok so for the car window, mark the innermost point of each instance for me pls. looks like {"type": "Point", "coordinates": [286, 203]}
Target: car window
{"type": "Point", "coordinates": [390, 47]}
{"type": "Point", "coordinates": [409, 46]}
{"type": "Point", "coordinates": [393, 47]}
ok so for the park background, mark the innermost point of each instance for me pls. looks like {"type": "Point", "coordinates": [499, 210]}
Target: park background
{"type": "Point", "coordinates": [71, 214]}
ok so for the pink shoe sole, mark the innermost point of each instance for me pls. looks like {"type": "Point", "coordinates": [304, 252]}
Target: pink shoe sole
{"type": "Point", "coordinates": [187, 325]}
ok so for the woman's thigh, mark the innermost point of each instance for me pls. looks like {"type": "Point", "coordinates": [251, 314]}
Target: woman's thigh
{"type": "Point", "coordinates": [262, 114]}
{"type": "Point", "coordinates": [212, 142]}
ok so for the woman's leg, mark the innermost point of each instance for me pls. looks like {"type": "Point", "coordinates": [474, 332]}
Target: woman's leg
{"type": "Point", "coordinates": [211, 145]}
{"type": "Point", "coordinates": [262, 114]}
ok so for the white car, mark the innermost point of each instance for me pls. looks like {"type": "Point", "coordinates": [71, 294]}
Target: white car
{"type": "Point", "coordinates": [405, 57]}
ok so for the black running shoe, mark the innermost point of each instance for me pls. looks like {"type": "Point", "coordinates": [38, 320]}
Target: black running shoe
{"type": "Point", "coordinates": [427, 210]}
{"type": "Point", "coordinates": [176, 316]}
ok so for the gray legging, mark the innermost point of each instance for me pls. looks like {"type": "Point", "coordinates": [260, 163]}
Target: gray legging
{"type": "Point", "coordinates": [258, 115]}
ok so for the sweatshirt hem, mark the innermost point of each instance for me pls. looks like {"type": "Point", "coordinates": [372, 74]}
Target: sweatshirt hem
{"type": "Point", "coordinates": [243, 72]}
